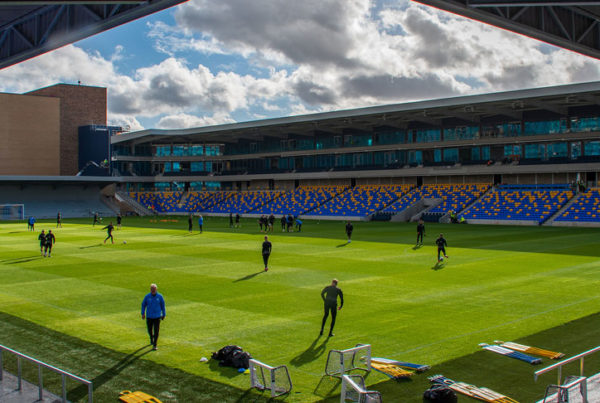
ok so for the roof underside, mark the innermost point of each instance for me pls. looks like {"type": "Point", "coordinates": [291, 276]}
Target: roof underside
{"type": "Point", "coordinates": [570, 24]}
{"type": "Point", "coordinates": [558, 101]}
{"type": "Point", "coordinates": [31, 28]}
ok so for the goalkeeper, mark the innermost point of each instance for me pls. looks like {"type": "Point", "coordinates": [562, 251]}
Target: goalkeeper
{"type": "Point", "coordinates": [329, 296]}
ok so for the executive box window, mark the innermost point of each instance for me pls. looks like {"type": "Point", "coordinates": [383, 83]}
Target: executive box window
{"type": "Point", "coordinates": [451, 155]}
{"type": "Point", "coordinates": [427, 135]}
{"type": "Point", "coordinates": [545, 127]}
{"type": "Point", "coordinates": [592, 148]}
{"type": "Point", "coordinates": [535, 151]}
{"type": "Point", "coordinates": [585, 124]}
{"type": "Point", "coordinates": [461, 133]}
{"type": "Point", "coordinates": [557, 150]}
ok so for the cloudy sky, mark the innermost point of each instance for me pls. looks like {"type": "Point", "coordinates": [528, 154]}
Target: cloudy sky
{"type": "Point", "coordinates": [209, 62]}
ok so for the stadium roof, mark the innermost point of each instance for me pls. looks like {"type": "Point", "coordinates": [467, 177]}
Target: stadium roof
{"type": "Point", "coordinates": [570, 24]}
{"type": "Point", "coordinates": [30, 28]}
{"type": "Point", "coordinates": [468, 109]}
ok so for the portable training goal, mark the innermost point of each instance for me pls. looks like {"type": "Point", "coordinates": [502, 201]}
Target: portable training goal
{"type": "Point", "coordinates": [341, 361]}
{"type": "Point", "coordinates": [266, 377]}
{"type": "Point", "coordinates": [12, 211]}
{"type": "Point", "coordinates": [353, 390]}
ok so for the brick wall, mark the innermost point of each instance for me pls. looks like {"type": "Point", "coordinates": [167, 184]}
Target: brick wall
{"type": "Point", "coordinates": [29, 135]}
{"type": "Point", "coordinates": [80, 105]}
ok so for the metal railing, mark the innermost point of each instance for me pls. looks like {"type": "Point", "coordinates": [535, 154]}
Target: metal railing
{"type": "Point", "coordinates": [64, 374]}
{"type": "Point", "coordinates": [559, 365]}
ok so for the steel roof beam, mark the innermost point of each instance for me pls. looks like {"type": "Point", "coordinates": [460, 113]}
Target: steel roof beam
{"type": "Point", "coordinates": [41, 29]}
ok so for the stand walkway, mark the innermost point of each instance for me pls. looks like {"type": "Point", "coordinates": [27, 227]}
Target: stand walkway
{"type": "Point", "coordinates": [29, 392]}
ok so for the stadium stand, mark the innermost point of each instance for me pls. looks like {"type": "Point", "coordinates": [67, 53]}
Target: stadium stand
{"type": "Point", "coordinates": [423, 192]}
{"type": "Point", "coordinates": [45, 201]}
{"type": "Point", "coordinates": [534, 203]}
{"type": "Point", "coordinates": [244, 202]}
{"type": "Point", "coordinates": [301, 201]}
{"type": "Point", "coordinates": [456, 197]}
{"type": "Point", "coordinates": [361, 200]}
{"type": "Point", "coordinates": [585, 209]}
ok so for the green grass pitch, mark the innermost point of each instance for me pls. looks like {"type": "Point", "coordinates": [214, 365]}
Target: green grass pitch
{"type": "Point", "coordinates": [80, 309]}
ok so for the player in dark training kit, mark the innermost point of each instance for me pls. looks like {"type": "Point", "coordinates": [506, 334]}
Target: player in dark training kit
{"type": "Point", "coordinates": [59, 220]}
{"type": "Point", "coordinates": [50, 240]}
{"type": "Point", "coordinates": [349, 229]}
{"type": "Point", "coordinates": [96, 219]}
{"type": "Point", "coordinates": [266, 252]}
{"type": "Point", "coordinates": [42, 239]}
{"type": "Point", "coordinates": [441, 244]}
{"type": "Point", "coordinates": [329, 296]}
{"type": "Point", "coordinates": [109, 229]}
{"type": "Point", "coordinates": [420, 232]}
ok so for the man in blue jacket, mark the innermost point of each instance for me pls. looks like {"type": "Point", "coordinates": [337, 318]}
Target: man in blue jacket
{"type": "Point", "coordinates": [153, 310]}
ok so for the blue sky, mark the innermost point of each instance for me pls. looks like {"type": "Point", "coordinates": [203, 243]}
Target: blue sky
{"type": "Point", "coordinates": [209, 62]}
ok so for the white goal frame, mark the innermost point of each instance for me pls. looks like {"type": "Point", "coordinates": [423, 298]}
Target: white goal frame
{"type": "Point", "coordinates": [5, 211]}
{"type": "Point", "coordinates": [348, 360]}
{"type": "Point", "coordinates": [353, 389]}
{"type": "Point", "coordinates": [259, 381]}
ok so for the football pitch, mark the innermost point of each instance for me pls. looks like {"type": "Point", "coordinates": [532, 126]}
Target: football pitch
{"type": "Point", "coordinates": [80, 309]}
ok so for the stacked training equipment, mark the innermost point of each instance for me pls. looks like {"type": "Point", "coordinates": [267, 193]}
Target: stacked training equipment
{"type": "Point", "coordinates": [511, 353]}
{"type": "Point", "coordinates": [530, 350]}
{"type": "Point", "coordinates": [484, 394]}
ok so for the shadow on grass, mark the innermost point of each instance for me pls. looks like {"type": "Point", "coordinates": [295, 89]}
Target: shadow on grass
{"type": "Point", "coordinates": [24, 260]}
{"type": "Point", "coordinates": [228, 372]}
{"type": "Point", "coordinates": [248, 277]}
{"type": "Point", "coordinates": [417, 247]}
{"type": "Point", "coordinates": [342, 245]}
{"type": "Point", "coordinates": [90, 246]}
{"type": "Point", "coordinates": [81, 391]}
{"type": "Point", "coordinates": [313, 352]}
{"type": "Point", "coordinates": [20, 259]}
{"type": "Point", "coordinates": [438, 266]}
{"type": "Point", "coordinates": [327, 386]}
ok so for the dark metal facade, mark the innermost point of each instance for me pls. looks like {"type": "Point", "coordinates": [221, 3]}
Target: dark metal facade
{"type": "Point", "coordinates": [31, 29]}
{"type": "Point", "coordinates": [570, 24]}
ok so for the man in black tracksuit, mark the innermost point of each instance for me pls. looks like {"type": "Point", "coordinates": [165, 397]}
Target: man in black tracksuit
{"type": "Point", "coordinates": [441, 245]}
{"type": "Point", "coordinates": [266, 252]}
{"type": "Point", "coordinates": [420, 232]}
{"type": "Point", "coordinates": [109, 229]}
{"type": "Point", "coordinates": [50, 240]}
{"type": "Point", "coordinates": [329, 296]}
{"type": "Point", "coordinates": [349, 229]}
{"type": "Point", "coordinates": [42, 239]}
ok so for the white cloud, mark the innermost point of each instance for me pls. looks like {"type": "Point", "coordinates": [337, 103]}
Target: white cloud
{"type": "Point", "coordinates": [184, 121]}
{"type": "Point", "coordinates": [277, 57]}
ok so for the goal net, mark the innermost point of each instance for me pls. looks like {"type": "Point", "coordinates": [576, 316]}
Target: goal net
{"type": "Point", "coordinates": [353, 390]}
{"type": "Point", "coordinates": [12, 211]}
{"type": "Point", "coordinates": [341, 361]}
{"type": "Point", "coordinates": [265, 377]}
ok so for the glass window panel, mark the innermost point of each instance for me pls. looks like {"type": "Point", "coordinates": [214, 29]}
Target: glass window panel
{"type": "Point", "coordinates": [585, 124]}
{"type": "Point", "coordinates": [427, 135]}
{"type": "Point", "coordinates": [545, 127]}
{"type": "Point", "coordinates": [557, 150]}
{"type": "Point", "coordinates": [451, 155]}
{"type": "Point", "coordinates": [592, 148]}
{"type": "Point", "coordinates": [575, 150]}
{"type": "Point", "coordinates": [437, 155]}
{"type": "Point", "coordinates": [197, 166]}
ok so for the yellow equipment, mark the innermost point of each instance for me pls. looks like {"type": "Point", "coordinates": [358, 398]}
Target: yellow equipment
{"type": "Point", "coordinates": [137, 397]}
